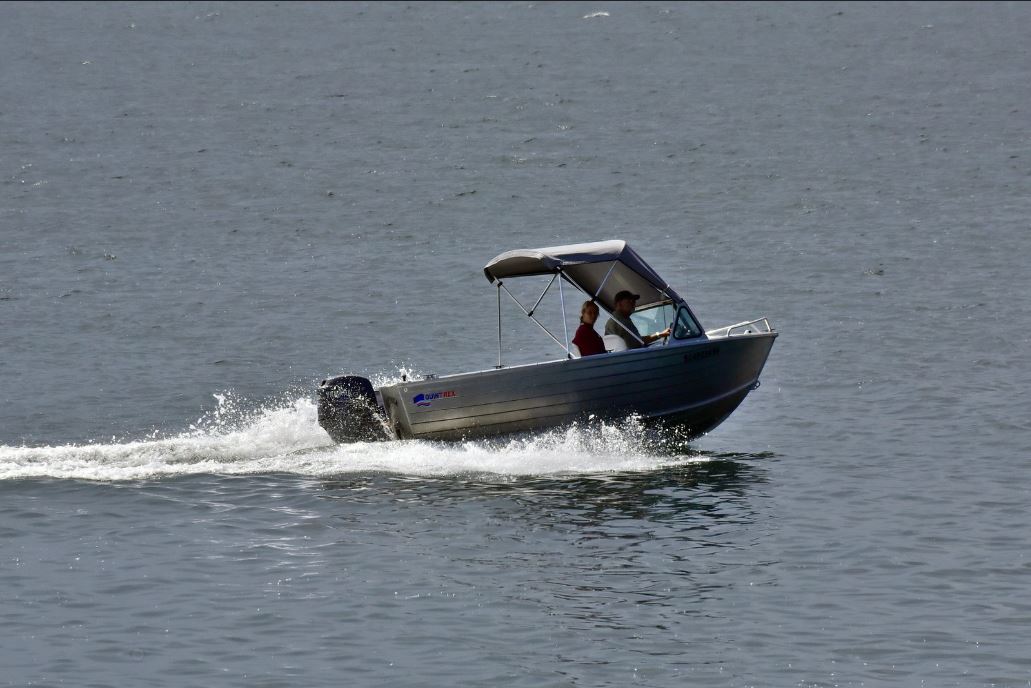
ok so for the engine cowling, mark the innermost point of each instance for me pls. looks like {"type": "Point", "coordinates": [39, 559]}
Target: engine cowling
{"type": "Point", "coordinates": [348, 410]}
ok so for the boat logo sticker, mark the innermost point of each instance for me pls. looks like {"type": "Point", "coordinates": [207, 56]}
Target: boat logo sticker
{"type": "Point", "coordinates": [428, 398]}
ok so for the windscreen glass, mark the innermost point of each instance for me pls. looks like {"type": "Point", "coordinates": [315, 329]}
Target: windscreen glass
{"type": "Point", "coordinates": [687, 326]}
{"type": "Point", "coordinates": [654, 319]}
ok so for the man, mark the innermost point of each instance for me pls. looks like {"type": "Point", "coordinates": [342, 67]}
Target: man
{"type": "Point", "coordinates": [620, 322]}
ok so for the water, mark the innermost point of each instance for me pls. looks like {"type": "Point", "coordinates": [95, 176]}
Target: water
{"type": "Point", "coordinates": [206, 208]}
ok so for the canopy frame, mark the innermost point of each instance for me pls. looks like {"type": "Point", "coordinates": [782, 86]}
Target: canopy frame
{"type": "Point", "coordinates": [581, 265]}
{"type": "Point", "coordinates": [529, 313]}
{"type": "Point", "coordinates": [601, 268]}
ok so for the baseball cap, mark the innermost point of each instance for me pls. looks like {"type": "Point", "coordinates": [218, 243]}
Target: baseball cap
{"type": "Point", "coordinates": [625, 295]}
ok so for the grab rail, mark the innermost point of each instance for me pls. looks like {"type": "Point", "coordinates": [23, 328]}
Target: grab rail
{"type": "Point", "coordinates": [748, 327]}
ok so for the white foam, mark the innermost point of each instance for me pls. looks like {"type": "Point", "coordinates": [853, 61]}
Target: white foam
{"type": "Point", "coordinates": [286, 437]}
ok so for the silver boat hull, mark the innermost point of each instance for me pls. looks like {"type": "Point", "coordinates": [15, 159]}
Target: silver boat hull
{"type": "Point", "coordinates": [694, 385]}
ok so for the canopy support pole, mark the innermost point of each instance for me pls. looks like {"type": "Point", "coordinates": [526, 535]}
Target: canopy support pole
{"type": "Point", "coordinates": [541, 297]}
{"type": "Point", "coordinates": [562, 302]}
{"type": "Point", "coordinates": [606, 279]}
{"type": "Point", "coordinates": [575, 285]}
{"type": "Point", "coordinates": [499, 324]}
{"type": "Point", "coordinates": [530, 315]}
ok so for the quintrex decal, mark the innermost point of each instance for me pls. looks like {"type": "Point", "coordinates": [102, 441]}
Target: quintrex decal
{"type": "Point", "coordinates": [428, 398]}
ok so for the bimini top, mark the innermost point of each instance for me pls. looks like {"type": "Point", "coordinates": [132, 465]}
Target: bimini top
{"type": "Point", "coordinates": [608, 266]}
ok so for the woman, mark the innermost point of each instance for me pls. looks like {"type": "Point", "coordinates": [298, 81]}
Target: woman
{"type": "Point", "coordinates": [586, 339]}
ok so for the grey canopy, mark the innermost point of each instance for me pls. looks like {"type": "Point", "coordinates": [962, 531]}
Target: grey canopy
{"type": "Point", "coordinates": [610, 266]}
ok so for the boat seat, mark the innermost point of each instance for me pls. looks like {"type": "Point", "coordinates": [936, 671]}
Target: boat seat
{"type": "Point", "coordinates": [614, 343]}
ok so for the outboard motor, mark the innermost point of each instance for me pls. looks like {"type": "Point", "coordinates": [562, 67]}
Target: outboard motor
{"type": "Point", "coordinates": [348, 410]}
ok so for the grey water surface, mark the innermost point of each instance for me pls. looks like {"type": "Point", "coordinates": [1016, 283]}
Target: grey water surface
{"type": "Point", "coordinates": [206, 208]}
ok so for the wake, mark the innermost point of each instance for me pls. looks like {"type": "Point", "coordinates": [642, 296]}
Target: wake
{"type": "Point", "coordinates": [284, 437]}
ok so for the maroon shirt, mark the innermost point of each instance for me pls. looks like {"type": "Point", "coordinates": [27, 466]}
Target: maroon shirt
{"type": "Point", "coordinates": [588, 341]}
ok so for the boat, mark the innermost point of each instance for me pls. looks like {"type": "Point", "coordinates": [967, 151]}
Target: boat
{"type": "Point", "coordinates": [692, 379]}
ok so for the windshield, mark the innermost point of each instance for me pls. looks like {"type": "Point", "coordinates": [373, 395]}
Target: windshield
{"type": "Point", "coordinates": [687, 327]}
{"type": "Point", "coordinates": [653, 320]}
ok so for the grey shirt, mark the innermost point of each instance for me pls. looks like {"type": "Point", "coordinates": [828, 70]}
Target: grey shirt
{"type": "Point", "coordinates": [612, 327]}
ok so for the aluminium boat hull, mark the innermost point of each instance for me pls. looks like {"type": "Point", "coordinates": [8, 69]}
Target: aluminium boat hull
{"type": "Point", "coordinates": [693, 384]}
